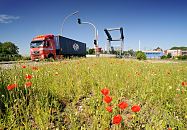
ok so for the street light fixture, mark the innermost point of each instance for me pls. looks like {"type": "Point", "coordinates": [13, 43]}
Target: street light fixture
{"type": "Point", "coordinates": [74, 13]}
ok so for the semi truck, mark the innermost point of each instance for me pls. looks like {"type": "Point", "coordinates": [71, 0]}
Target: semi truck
{"type": "Point", "coordinates": [54, 47]}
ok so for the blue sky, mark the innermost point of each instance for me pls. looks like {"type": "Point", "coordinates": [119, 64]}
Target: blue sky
{"type": "Point", "coordinates": [155, 23]}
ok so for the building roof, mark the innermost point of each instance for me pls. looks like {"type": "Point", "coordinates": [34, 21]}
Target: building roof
{"type": "Point", "coordinates": [151, 51]}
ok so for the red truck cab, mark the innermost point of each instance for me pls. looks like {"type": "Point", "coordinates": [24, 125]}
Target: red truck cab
{"type": "Point", "coordinates": [42, 47]}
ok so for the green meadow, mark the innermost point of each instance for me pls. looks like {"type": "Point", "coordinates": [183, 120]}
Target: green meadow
{"type": "Point", "coordinates": [67, 95]}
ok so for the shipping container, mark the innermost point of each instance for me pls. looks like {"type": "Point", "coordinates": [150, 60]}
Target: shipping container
{"type": "Point", "coordinates": [69, 47]}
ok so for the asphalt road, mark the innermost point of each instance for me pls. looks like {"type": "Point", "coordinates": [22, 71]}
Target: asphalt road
{"type": "Point", "coordinates": [9, 64]}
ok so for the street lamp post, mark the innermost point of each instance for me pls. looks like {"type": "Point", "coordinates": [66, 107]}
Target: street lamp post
{"type": "Point", "coordinates": [95, 32]}
{"type": "Point", "coordinates": [74, 13]}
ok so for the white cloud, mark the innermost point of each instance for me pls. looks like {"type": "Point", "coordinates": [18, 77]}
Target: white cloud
{"type": "Point", "coordinates": [7, 18]}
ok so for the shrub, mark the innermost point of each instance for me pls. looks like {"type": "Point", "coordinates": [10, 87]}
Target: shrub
{"type": "Point", "coordinates": [10, 57]}
{"type": "Point", "coordinates": [26, 58]}
{"type": "Point", "coordinates": [140, 55]}
{"type": "Point", "coordinates": [163, 57]}
{"type": "Point", "coordinates": [169, 55]}
{"type": "Point", "coordinates": [91, 51]}
{"type": "Point", "coordinates": [182, 57]}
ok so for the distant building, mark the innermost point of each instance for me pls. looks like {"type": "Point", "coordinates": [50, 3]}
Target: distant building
{"type": "Point", "coordinates": [175, 53]}
{"type": "Point", "coordinates": [153, 54]}
{"type": "Point", "coordinates": [184, 52]}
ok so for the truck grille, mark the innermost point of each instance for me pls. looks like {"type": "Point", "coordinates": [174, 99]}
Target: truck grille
{"type": "Point", "coordinates": [36, 52]}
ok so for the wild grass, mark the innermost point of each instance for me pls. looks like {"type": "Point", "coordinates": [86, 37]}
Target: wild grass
{"type": "Point", "coordinates": [66, 95]}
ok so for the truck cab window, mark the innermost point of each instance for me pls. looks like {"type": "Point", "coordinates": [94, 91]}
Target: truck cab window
{"type": "Point", "coordinates": [36, 44]}
{"type": "Point", "coordinates": [46, 44]}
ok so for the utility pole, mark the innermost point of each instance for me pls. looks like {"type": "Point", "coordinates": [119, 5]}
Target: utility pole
{"type": "Point", "coordinates": [139, 45]}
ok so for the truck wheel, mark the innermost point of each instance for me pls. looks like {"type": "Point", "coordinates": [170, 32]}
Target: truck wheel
{"type": "Point", "coordinates": [51, 57]}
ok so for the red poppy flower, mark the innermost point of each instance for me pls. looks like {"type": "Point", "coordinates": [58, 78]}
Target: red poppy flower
{"type": "Point", "coordinates": [169, 128]}
{"type": "Point", "coordinates": [11, 86]}
{"type": "Point", "coordinates": [23, 66]}
{"type": "Point", "coordinates": [117, 119]}
{"type": "Point", "coordinates": [28, 84]}
{"type": "Point", "coordinates": [105, 91]}
{"type": "Point", "coordinates": [109, 108]}
{"type": "Point", "coordinates": [35, 68]}
{"type": "Point", "coordinates": [107, 99]}
{"type": "Point", "coordinates": [135, 108]}
{"type": "Point", "coordinates": [184, 83]}
{"type": "Point", "coordinates": [122, 105]}
{"type": "Point", "coordinates": [28, 76]}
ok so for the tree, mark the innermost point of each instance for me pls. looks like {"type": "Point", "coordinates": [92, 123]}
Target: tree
{"type": "Point", "coordinates": [169, 55]}
{"type": "Point", "coordinates": [131, 52]}
{"type": "Point", "coordinates": [178, 48]}
{"type": "Point", "coordinates": [113, 51]}
{"type": "Point", "coordinates": [140, 55]}
{"type": "Point", "coordinates": [9, 51]}
{"type": "Point", "coordinates": [1, 47]}
{"type": "Point", "coordinates": [157, 49]}
{"type": "Point", "coordinates": [91, 51]}
{"type": "Point", "coordinates": [9, 48]}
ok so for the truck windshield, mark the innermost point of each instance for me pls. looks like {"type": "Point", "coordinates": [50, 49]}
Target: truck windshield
{"type": "Point", "coordinates": [36, 44]}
